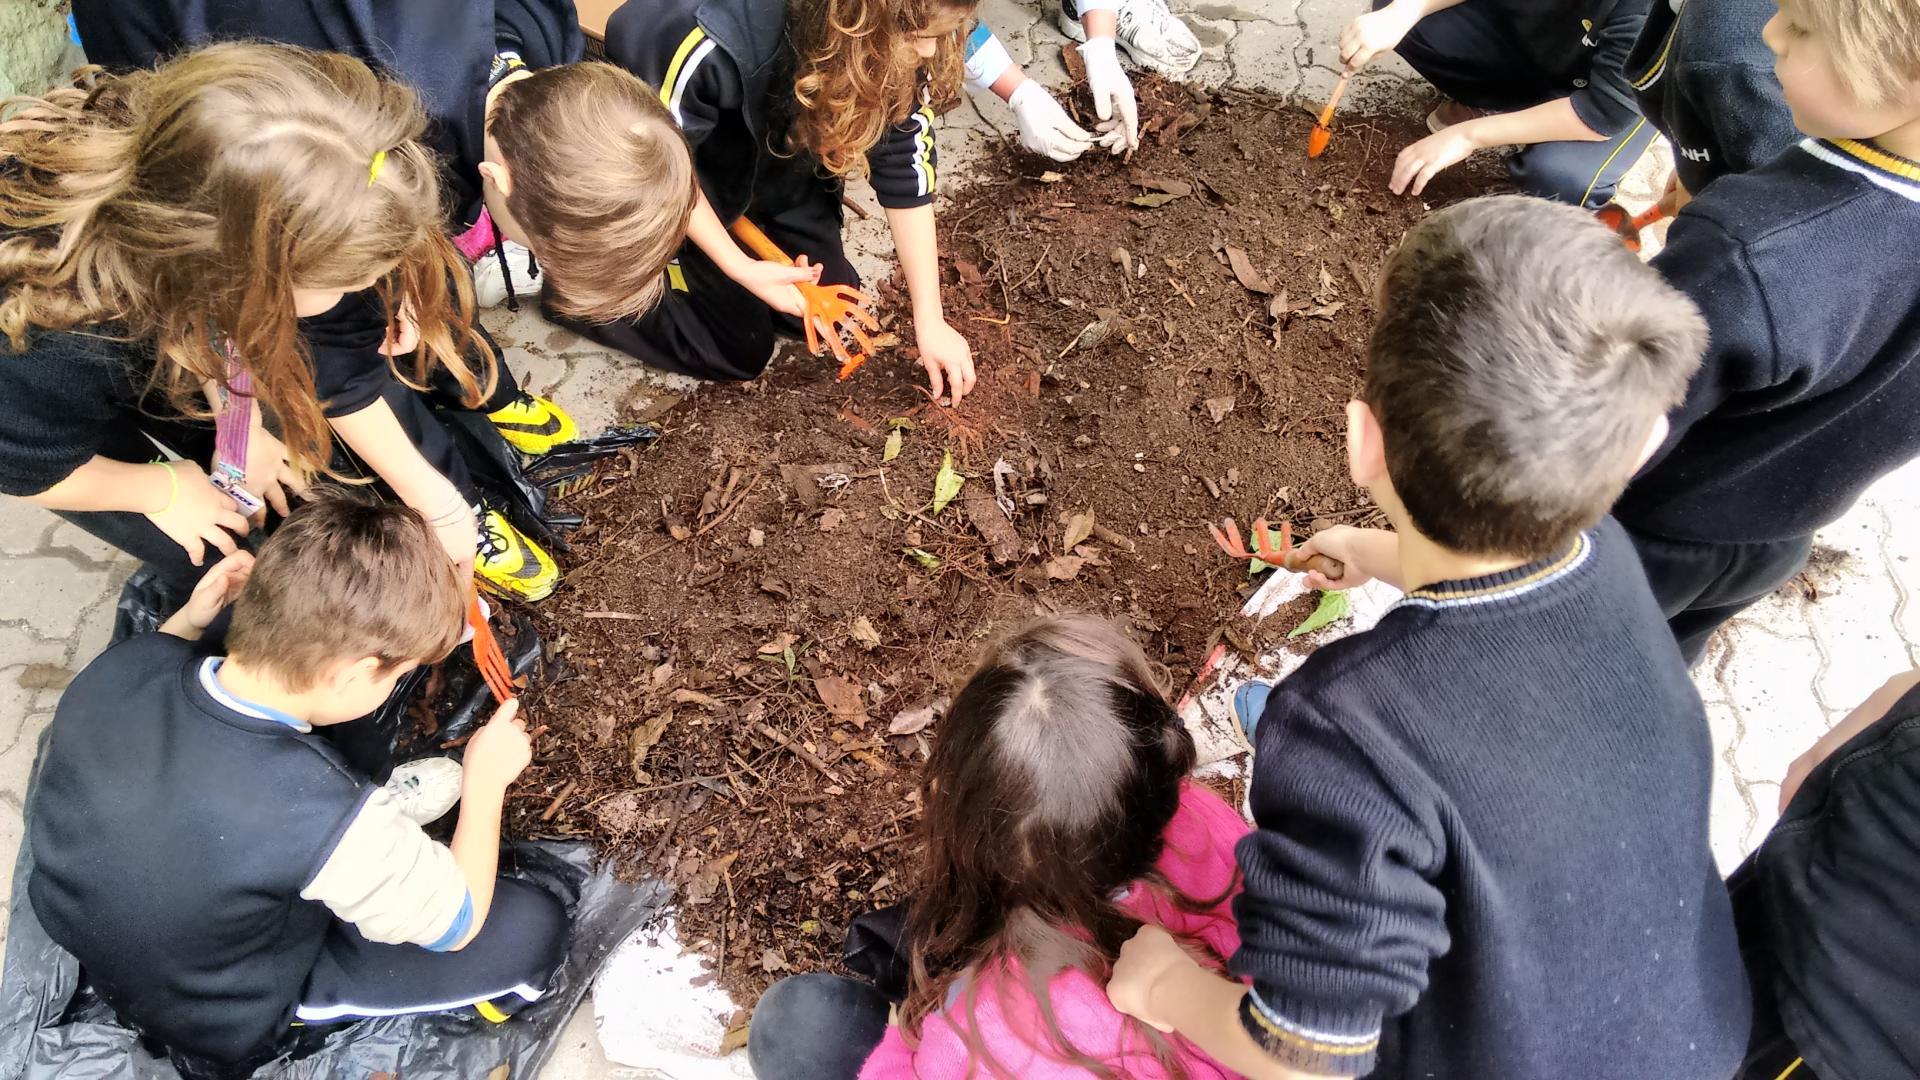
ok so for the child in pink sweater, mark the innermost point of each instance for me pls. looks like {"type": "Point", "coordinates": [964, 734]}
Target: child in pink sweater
{"type": "Point", "coordinates": [1059, 818]}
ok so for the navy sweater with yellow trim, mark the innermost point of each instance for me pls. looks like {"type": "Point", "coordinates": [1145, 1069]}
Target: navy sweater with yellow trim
{"type": "Point", "coordinates": [1705, 78]}
{"type": "Point", "coordinates": [1481, 845]}
{"type": "Point", "coordinates": [1810, 390]}
{"type": "Point", "coordinates": [725, 71]}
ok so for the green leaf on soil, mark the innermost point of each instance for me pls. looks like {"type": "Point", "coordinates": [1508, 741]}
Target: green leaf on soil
{"type": "Point", "coordinates": [947, 484]}
{"type": "Point", "coordinates": [1255, 566]}
{"type": "Point", "coordinates": [1334, 606]}
{"type": "Point", "coordinates": [925, 558]}
{"type": "Point", "coordinates": [893, 447]}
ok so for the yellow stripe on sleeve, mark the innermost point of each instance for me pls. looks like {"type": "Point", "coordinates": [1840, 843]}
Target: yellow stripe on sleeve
{"type": "Point", "coordinates": [691, 42]}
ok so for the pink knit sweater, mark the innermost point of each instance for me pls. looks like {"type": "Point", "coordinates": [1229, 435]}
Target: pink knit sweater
{"type": "Point", "coordinates": [1198, 860]}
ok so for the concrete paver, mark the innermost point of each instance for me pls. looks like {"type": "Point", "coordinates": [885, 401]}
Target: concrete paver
{"type": "Point", "coordinates": [1779, 676]}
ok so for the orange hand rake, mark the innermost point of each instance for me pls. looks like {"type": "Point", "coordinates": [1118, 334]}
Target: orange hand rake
{"type": "Point", "coordinates": [1323, 131]}
{"type": "Point", "coordinates": [1283, 556]}
{"type": "Point", "coordinates": [486, 653]}
{"type": "Point", "coordinates": [1615, 217]}
{"type": "Point", "coordinates": [830, 308]}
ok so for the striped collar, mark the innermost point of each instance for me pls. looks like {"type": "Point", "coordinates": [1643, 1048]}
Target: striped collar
{"type": "Point", "coordinates": [1505, 585]}
{"type": "Point", "coordinates": [210, 682]}
{"type": "Point", "coordinates": [1889, 171]}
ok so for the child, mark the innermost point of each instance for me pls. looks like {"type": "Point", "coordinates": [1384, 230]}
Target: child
{"type": "Point", "coordinates": [780, 101]}
{"type": "Point", "coordinates": [1481, 845]}
{"type": "Point", "coordinates": [1825, 906]}
{"type": "Point", "coordinates": [1544, 76]}
{"type": "Point", "coordinates": [1704, 77]}
{"type": "Point", "coordinates": [1059, 816]}
{"type": "Point", "coordinates": [1045, 127]}
{"type": "Point", "coordinates": [588, 172]}
{"type": "Point", "coordinates": [216, 867]}
{"type": "Point", "coordinates": [1811, 387]}
{"type": "Point", "coordinates": [245, 212]}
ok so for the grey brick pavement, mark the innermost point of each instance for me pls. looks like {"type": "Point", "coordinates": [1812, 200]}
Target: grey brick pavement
{"type": "Point", "coordinates": [1783, 673]}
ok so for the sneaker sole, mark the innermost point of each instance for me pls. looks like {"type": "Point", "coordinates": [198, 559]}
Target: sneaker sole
{"type": "Point", "coordinates": [1076, 33]}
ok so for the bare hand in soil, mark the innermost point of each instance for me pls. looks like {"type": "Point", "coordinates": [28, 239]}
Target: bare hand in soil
{"type": "Point", "coordinates": [498, 751]}
{"type": "Point", "coordinates": [774, 284]}
{"type": "Point", "coordinates": [1419, 163]}
{"type": "Point", "coordinates": [199, 514]}
{"type": "Point", "coordinates": [947, 357]}
{"type": "Point", "coordinates": [1376, 32]}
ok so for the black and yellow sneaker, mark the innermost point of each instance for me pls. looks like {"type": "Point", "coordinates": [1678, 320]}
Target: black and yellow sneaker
{"type": "Point", "coordinates": [510, 564]}
{"type": "Point", "coordinates": [533, 424]}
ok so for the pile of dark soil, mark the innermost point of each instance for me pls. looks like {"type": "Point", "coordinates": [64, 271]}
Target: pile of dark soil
{"type": "Point", "coordinates": [763, 613]}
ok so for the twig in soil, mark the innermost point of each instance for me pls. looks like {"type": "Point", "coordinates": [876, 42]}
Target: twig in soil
{"type": "Point", "coordinates": [553, 807]}
{"type": "Point", "coordinates": [626, 615]}
{"type": "Point", "coordinates": [666, 837]}
{"type": "Point", "coordinates": [798, 751]}
{"type": "Point", "coordinates": [1108, 536]}
{"type": "Point", "coordinates": [858, 210]}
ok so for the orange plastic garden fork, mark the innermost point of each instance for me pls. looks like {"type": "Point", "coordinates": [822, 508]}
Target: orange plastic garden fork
{"type": "Point", "coordinates": [830, 308]}
{"type": "Point", "coordinates": [1283, 556]}
{"type": "Point", "coordinates": [486, 652]}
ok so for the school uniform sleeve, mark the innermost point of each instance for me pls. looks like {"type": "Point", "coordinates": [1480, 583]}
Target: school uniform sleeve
{"type": "Point", "coordinates": [1606, 103]}
{"type": "Point", "coordinates": [541, 33]}
{"type": "Point", "coordinates": [349, 371]}
{"type": "Point", "coordinates": [393, 882]}
{"type": "Point", "coordinates": [58, 400]}
{"type": "Point", "coordinates": [1710, 265]}
{"type": "Point", "coordinates": [904, 162]}
{"type": "Point", "coordinates": [987, 58]}
{"type": "Point", "coordinates": [1340, 917]}
{"type": "Point", "coordinates": [697, 80]}
{"type": "Point", "coordinates": [1745, 109]}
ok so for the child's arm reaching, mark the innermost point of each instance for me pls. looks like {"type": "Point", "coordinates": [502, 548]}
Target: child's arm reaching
{"type": "Point", "coordinates": [1045, 127]}
{"type": "Point", "coordinates": [175, 495]}
{"type": "Point", "coordinates": [216, 589]}
{"type": "Point", "coordinates": [943, 352]}
{"type": "Point", "coordinates": [1367, 553]}
{"type": "Point", "coordinates": [1158, 983]}
{"type": "Point", "coordinates": [374, 434]}
{"type": "Point", "coordinates": [770, 281]}
{"type": "Point", "coordinates": [1549, 121]}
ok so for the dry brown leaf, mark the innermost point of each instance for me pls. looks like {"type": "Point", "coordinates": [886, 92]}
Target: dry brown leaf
{"type": "Point", "coordinates": [1219, 407]}
{"type": "Point", "coordinates": [1155, 200]}
{"type": "Point", "coordinates": [1079, 527]}
{"type": "Point", "coordinates": [1176, 188]}
{"type": "Point", "coordinates": [1244, 272]}
{"type": "Point", "coordinates": [1324, 311]}
{"type": "Point", "coordinates": [1065, 567]}
{"type": "Point", "coordinates": [832, 519]}
{"type": "Point", "coordinates": [771, 961]}
{"type": "Point", "coordinates": [842, 699]}
{"type": "Point", "coordinates": [914, 721]}
{"type": "Point", "coordinates": [864, 633]}
{"type": "Point", "coordinates": [778, 645]}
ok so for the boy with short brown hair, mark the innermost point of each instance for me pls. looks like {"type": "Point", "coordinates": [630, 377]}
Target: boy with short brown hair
{"type": "Point", "coordinates": [1481, 845]}
{"type": "Point", "coordinates": [218, 869]}
{"type": "Point", "coordinates": [1810, 390]}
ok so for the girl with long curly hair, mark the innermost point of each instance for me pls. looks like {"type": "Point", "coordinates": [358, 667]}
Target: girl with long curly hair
{"type": "Point", "coordinates": [238, 229]}
{"type": "Point", "coordinates": [781, 100]}
{"type": "Point", "coordinates": [1059, 817]}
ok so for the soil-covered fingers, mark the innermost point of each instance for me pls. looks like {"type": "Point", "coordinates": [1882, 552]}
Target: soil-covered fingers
{"type": "Point", "coordinates": [1420, 163]}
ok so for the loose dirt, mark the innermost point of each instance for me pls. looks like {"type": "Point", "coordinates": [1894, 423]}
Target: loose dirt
{"type": "Point", "coordinates": [764, 614]}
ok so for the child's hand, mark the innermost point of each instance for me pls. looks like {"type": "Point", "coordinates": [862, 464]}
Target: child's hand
{"type": "Point", "coordinates": [1376, 32]}
{"type": "Point", "coordinates": [498, 751]}
{"type": "Point", "coordinates": [1869, 713]}
{"type": "Point", "coordinates": [1345, 544]}
{"type": "Point", "coordinates": [198, 514]}
{"type": "Point", "coordinates": [946, 356]}
{"type": "Point", "coordinates": [403, 334]}
{"type": "Point", "coordinates": [1420, 162]}
{"type": "Point", "coordinates": [269, 474]}
{"type": "Point", "coordinates": [216, 589]}
{"type": "Point", "coordinates": [1149, 956]}
{"type": "Point", "coordinates": [1112, 92]}
{"type": "Point", "coordinates": [774, 283]}
{"type": "Point", "coordinates": [1045, 127]}
{"type": "Point", "coordinates": [1676, 197]}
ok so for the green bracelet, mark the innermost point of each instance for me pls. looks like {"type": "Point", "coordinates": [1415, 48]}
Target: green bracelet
{"type": "Point", "coordinates": [173, 490]}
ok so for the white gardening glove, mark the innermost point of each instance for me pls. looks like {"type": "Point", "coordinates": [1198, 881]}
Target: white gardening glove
{"type": "Point", "coordinates": [1112, 95]}
{"type": "Point", "coordinates": [1045, 127]}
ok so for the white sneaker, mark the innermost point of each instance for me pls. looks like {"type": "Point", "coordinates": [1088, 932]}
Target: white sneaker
{"type": "Point", "coordinates": [425, 789]}
{"type": "Point", "coordinates": [1152, 34]}
{"type": "Point", "coordinates": [490, 286]}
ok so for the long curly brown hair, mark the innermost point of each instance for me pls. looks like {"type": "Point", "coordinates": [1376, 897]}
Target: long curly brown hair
{"type": "Point", "coordinates": [856, 72]}
{"type": "Point", "coordinates": [182, 206]}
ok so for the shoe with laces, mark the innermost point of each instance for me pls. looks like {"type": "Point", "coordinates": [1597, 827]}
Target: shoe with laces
{"type": "Point", "coordinates": [1450, 112]}
{"type": "Point", "coordinates": [1151, 33]}
{"type": "Point", "coordinates": [509, 563]}
{"type": "Point", "coordinates": [490, 282]}
{"type": "Point", "coordinates": [426, 789]}
{"type": "Point", "coordinates": [533, 424]}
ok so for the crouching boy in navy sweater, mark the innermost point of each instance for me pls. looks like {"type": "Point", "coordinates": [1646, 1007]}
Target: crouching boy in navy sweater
{"type": "Point", "coordinates": [1481, 845]}
{"type": "Point", "coordinates": [1804, 269]}
{"type": "Point", "coordinates": [217, 868]}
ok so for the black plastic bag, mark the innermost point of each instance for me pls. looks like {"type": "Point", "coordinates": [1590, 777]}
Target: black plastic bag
{"type": "Point", "coordinates": [50, 1027]}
